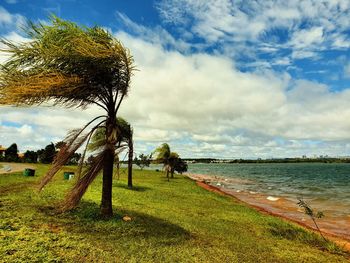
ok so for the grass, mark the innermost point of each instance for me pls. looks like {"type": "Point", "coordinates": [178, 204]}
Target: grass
{"type": "Point", "coordinates": [174, 221]}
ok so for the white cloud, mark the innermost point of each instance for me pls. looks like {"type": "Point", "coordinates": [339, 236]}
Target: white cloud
{"type": "Point", "coordinates": [311, 25]}
{"type": "Point", "coordinates": [13, 37]}
{"type": "Point", "coordinates": [5, 16]}
{"type": "Point", "coordinates": [207, 97]}
{"type": "Point", "coordinates": [203, 104]}
{"type": "Point", "coordinates": [204, 101]}
{"type": "Point", "coordinates": [306, 37]}
{"type": "Point", "coordinates": [157, 35]}
{"type": "Point", "coordinates": [8, 20]}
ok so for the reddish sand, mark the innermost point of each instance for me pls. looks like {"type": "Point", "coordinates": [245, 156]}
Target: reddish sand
{"type": "Point", "coordinates": [336, 229]}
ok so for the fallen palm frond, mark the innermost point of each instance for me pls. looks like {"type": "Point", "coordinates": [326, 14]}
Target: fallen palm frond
{"type": "Point", "coordinates": [75, 194]}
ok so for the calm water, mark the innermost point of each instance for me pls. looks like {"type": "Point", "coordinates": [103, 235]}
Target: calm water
{"type": "Point", "coordinates": [324, 186]}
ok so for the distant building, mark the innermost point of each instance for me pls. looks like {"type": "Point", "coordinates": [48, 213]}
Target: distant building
{"type": "Point", "coordinates": [2, 150]}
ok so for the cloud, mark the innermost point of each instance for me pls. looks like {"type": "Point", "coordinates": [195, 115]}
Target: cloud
{"type": "Point", "coordinates": [302, 27]}
{"type": "Point", "coordinates": [207, 97]}
{"type": "Point", "coordinates": [307, 37]}
{"type": "Point", "coordinates": [204, 106]}
{"type": "Point", "coordinates": [5, 17]}
{"type": "Point", "coordinates": [202, 103]}
{"type": "Point", "coordinates": [10, 21]}
{"type": "Point", "coordinates": [157, 35]}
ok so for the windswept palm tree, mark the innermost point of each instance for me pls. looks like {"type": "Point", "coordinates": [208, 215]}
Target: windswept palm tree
{"type": "Point", "coordinates": [124, 141]}
{"type": "Point", "coordinates": [164, 155]}
{"type": "Point", "coordinates": [71, 66]}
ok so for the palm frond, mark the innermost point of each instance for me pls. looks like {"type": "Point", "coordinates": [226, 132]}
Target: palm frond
{"type": "Point", "coordinates": [65, 63]}
{"type": "Point", "coordinates": [72, 143]}
{"type": "Point", "coordinates": [62, 157]}
{"type": "Point", "coordinates": [75, 194]}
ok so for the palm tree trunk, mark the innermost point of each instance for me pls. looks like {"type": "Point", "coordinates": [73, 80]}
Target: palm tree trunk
{"type": "Point", "coordinates": [118, 170]}
{"type": "Point", "coordinates": [131, 154]}
{"type": "Point", "coordinates": [167, 173]}
{"type": "Point", "coordinates": [106, 201]}
{"type": "Point", "coordinates": [116, 161]}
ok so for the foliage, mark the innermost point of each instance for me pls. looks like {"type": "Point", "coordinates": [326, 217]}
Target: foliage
{"type": "Point", "coordinates": [11, 153]}
{"type": "Point", "coordinates": [164, 155]}
{"type": "Point", "coordinates": [311, 213]}
{"type": "Point", "coordinates": [177, 222]}
{"type": "Point", "coordinates": [71, 66]}
{"type": "Point", "coordinates": [123, 141]}
{"type": "Point", "coordinates": [31, 157]}
{"type": "Point", "coordinates": [64, 63]}
{"type": "Point", "coordinates": [98, 138]}
{"type": "Point", "coordinates": [143, 160]}
{"type": "Point", "coordinates": [47, 154]}
{"type": "Point", "coordinates": [74, 159]}
{"type": "Point", "coordinates": [59, 145]}
{"type": "Point", "coordinates": [180, 166]}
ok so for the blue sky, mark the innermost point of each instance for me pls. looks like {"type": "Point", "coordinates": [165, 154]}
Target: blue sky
{"type": "Point", "coordinates": [217, 78]}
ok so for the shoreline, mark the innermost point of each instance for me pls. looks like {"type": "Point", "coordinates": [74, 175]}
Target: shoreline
{"type": "Point", "coordinates": [278, 207]}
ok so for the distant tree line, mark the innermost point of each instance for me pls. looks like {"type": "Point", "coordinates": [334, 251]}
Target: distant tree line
{"type": "Point", "coordinates": [45, 155]}
{"type": "Point", "coordinates": [272, 160]}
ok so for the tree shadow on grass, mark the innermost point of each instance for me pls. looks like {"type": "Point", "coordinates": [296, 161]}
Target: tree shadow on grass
{"type": "Point", "coordinates": [134, 188]}
{"type": "Point", "coordinates": [85, 220]}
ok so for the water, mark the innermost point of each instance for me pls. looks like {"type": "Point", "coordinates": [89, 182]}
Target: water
{"type": "Point", "coordinates": [326, 186]}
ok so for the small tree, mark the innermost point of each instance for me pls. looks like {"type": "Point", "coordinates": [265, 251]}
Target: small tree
{"type": "Point", "coordinates": [30, 157]}
{"type": "Point", "coordinates": [167, 158]}
{"type": "Point", "coordinates": [181, 166]}
{"type": "Point", "coordinates": [74, 159]}
{"type": "Point", "coordinates": [47, 155]}
{"type": "Point", "coordinates": [312, 214]}
{"type": "Point", "coordinates": [11, 153]}
{"type": "Point", "coordinates": [143, 160]}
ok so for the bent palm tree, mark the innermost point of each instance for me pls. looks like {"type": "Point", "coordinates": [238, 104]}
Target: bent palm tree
{"type": "Point", "coordinates": [124, 140]}
{"type": "Point", "coordinates": [167, 158]}
{"type": "Point", "coordinates": [71, 66]}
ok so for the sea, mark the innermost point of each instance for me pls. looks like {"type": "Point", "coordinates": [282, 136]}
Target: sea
{"type": "Point", "coordinates": [324, 186]}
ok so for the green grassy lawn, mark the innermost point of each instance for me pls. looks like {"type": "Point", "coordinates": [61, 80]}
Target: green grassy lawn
{"type": "Point", "coordinates": [174, 221]}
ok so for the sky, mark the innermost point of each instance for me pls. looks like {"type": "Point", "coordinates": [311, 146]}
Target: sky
{"type": "Point", "coordinates": [215, 78]}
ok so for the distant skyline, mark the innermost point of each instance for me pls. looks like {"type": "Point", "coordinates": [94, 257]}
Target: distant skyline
{"type": "Point", "coordinates": [216, 78]}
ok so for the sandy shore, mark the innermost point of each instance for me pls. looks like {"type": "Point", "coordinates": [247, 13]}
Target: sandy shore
{"type": "Point", "coordinates": [335, 228]}
{"type": "Point", "coordinates": [13, 167]}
